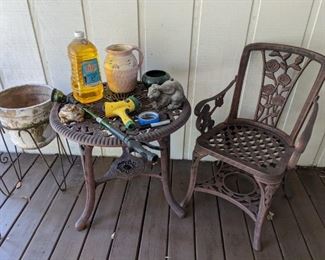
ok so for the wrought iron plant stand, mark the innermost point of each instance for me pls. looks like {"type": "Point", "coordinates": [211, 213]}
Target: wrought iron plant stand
{"type": "Point", "coordinates": [7, 157]}
{"type": "Point", "coordinates": [89, 134]}
{"type": "Point", "coordinates": [255, 148]}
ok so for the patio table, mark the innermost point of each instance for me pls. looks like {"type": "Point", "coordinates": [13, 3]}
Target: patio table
{"type": "Point", "coordinates": [89, 134]}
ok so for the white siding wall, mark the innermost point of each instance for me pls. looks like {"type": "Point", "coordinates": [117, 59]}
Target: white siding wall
{"type": "Point", "coordinates": [198, 41]}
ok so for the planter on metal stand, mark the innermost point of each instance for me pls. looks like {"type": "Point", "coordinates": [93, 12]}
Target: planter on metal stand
{"type": "Point", "coordinates": [24, 116]}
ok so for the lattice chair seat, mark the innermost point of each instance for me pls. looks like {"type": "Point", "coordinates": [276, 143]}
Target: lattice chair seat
{"type": "Point", "coordinates": [249, 145]}
{"type": "Point", "coordinates": [255, 149]}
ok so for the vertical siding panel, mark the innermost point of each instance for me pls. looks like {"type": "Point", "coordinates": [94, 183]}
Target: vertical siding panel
{"type": "Point", "coordinates": [165, 28]}
{"type": "Point", "coordinates": [19, 57]}
{"type": "Point", "coordinates": [110, 22]}
{"type": "Point", "coordinates": [272, 21]}
{"type": "Point", "coordinates": [281, 21]}
{"type": "Point", "coordinates": [320, 157]}
{"type": "Point", "coordinates": [221, 28]}
{"type": "Point", "coordinates": [55, 22]}
{"type": "Point", "coordinates": [20, 62]}
{"type": "Point", "coordinates": [315, 40]}
{"type": "Point", "coordinates": [190, 125]}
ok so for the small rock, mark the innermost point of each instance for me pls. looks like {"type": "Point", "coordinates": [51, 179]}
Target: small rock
{"type": "Point", "coordinates": [71, 113]}
{"type": "Point", "coordinates": [270, 215]}
{"type": "Point", "coordinates": [26, 198]}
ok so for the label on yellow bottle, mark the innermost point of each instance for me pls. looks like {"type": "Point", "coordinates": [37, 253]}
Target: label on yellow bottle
{"type": "Point", "coordinates": [90, 72]}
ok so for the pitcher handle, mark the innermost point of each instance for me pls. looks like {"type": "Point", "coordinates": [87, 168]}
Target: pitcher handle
{"type": "Point", "coordinates": [134, 48]}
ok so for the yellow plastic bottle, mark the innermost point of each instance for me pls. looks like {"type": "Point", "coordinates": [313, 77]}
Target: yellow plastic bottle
{"type": "Point", "coordinates": [86, 83]}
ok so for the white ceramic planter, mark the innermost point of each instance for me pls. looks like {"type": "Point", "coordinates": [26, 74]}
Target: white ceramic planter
{"type": "Point", "coordinates": [27, 107]}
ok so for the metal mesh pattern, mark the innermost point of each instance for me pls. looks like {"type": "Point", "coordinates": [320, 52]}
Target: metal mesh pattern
{"type": "Point", "coordinates": [248, 144]}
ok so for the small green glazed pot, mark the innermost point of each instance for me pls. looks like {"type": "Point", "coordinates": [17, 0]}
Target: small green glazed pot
{"type": "Point", "coordinates": [154, 77]}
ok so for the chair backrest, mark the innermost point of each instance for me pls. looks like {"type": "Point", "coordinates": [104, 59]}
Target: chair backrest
{"type": "Point", "coordinates": [277, 83]}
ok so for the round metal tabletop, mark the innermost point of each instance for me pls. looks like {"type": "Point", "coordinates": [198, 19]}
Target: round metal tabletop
{"type": "Point", "coordinates": [89, 132]}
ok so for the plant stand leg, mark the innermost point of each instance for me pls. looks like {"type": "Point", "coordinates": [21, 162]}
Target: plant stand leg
{"type": "Point", "coordinates": [86, 159]}
{"type": "Point", "coordinates": [165, 165]}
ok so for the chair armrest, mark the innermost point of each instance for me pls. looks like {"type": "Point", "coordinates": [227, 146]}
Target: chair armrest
{"type": "Point", "coordinates": [202, 110]}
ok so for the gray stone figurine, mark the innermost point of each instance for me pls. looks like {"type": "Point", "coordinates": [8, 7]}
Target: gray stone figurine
{"type": "Point", "coordinates": [170, 94]}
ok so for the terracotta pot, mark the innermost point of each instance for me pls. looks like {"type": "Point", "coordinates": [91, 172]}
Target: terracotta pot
{"type": "Point", "coordinates": [27, 107]}
{"type": "Point", "coordinates": [121, 67]}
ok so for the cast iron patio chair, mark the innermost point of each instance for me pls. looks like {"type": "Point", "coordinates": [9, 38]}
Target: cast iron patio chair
{"type": "Point", "coordinates": [256, 148]}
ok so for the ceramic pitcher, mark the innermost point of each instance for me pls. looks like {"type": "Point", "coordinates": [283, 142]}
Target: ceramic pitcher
{"type": "Point", "coordinates": [121, 67]}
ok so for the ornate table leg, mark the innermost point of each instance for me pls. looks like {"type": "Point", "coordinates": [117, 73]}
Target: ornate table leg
{"type": "Point", "coordinates": [86, 160]}
{"type": "Point", "coordinates": [165, 159]}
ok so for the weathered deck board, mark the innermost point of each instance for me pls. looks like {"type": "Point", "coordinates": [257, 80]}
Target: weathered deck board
{"type": "Point", "coordinates": [207, 222]}
{"type": "Point", "coordinates": [100, 234]}
{"type": "Point", "coordinates": [15, 204]}
{"type": "Point", "coordinates": [155, 227]}
{"type": "Point", "coordinates": [9, 175]}
{"type": "Point", "coordinates": [40, 246]}
{"type": "Point", "coordinates": [6, 161]}
{"type": "Point", "coordinates": [315, 189]}
{"type": "Point", "coordinates": [144, 226]}
{"type": "Point", "coordinates": [235, 234]}
{"type": "Point", "coordinates": [71, 241]}
{"type": "Point", "coordinates": [128, 230]}
{"type": "Point", "coordinates": [30, 218]}
{"type": "Point", "coordinates": [270, 250]}
{"type": "Point", "coordinates": [181, 244]}
{"type": "Point", "coordinates": [6, 164]}
{"type": "Point", "coordinates": [287, 230]}
{"type": "Point", "coordinates": [307, 219]}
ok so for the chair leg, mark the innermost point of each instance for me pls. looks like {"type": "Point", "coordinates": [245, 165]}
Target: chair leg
{"type": "Point", "coordinates": [267, 192]}
{"type": "Point", "coordinates": [286, 186]}
{"type": "Point", "coordinates": [195, 163]}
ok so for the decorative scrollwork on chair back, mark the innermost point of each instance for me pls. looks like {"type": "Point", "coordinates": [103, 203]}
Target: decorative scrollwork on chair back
{"type": "Point", "coordinates": [281, 70]}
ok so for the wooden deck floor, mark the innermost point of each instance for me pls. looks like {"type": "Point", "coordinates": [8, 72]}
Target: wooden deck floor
{"type": "Point", "coordinates": [133, 221]}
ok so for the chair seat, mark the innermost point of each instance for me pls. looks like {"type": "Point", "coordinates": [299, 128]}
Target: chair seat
{"type": "Point", "coordinates": [249, 145]}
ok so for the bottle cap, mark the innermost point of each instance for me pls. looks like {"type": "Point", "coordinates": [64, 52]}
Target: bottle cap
{"type": "Point", "coordinates": [79, 34]}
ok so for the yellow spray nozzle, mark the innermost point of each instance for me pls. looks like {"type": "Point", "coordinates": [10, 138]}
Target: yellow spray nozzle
{"type": "Point", "coordinates": [121, 109]}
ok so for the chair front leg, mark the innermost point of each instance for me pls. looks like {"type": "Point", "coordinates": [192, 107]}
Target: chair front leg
{"type": "Point", "coordinates": [267, 192]}
{"type": "Point", "coordinates": [197, 156]}
{"type": "Point", "coordinates": [286, 185]}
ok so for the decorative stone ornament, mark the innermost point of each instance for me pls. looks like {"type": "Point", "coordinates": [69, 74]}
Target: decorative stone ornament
{"type": "Point", "coordinates": [170, 94]}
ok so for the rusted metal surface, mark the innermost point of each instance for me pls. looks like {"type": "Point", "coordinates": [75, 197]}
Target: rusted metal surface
{"type": "Point", "coordinates": [128, 166]}
{"type": "Point", "coordinates": [89, 134]}
{"type": "Point", "coordinates": [256, 148]}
